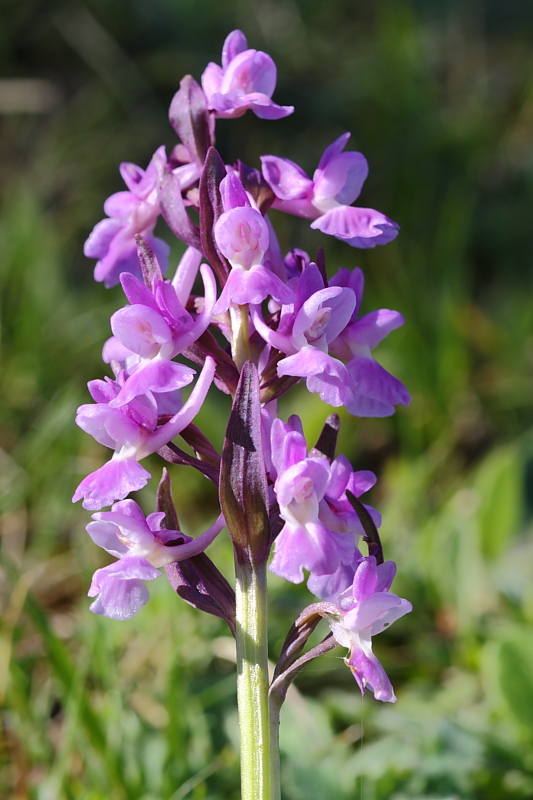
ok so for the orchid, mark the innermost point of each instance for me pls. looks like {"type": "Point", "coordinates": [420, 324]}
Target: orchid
{"type": "Point", "coordinates": [327, 199]}
{"type": "Point", "coordinates": [375, 391]}
{"type": "Point", "coordinates": [285, 321]}
{"type": "Point", "coordinates": [246, 80]}
{"type": "Point", "coordinates": [321, 526]}
{"type": "Point", "coordinates": [242, 236]}
{"type": "Point", "coordinates": [136, 211]}
{"type": "Point", "coordinates": [141, 546]}
{"type": "Point", "coordinates": [367, 608]}
{"type": "Point", "coordinates": [132, 431]}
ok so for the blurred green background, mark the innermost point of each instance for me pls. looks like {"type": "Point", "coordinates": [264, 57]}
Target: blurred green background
{"type": "Point", "coordinates": [439, 97]}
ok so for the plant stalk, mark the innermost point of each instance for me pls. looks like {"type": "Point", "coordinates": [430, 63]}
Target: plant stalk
{"type": "Point", "coordinates": [252, 680]}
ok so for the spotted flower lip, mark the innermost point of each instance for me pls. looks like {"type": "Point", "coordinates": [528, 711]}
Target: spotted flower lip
{"type": "Point", "coordinates": [327, 199]}
{"type": "Point", "coordinates": [245, 81]}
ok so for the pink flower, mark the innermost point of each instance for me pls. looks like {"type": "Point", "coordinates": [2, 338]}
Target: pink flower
{"type": "Point", "coordinates": [246, 80]}
{"type": "Point", "coordinates": [242, 235]}
{"type": "Point", "coordinates": [112, 240]}
{"type": "Point", "coordinates": [141, 546]}
{"type": "Point", "coordinates": [327, 199]}
{"type": "Point", "coordinates": [366, 609]}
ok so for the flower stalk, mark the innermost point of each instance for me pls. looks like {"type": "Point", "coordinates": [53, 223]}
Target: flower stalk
{"type": "Point", "coordinates": [285, 320]}
{"type": "Point", "coordinates": [252, 680]}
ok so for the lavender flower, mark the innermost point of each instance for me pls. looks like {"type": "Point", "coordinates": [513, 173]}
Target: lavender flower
{"type": "Point", "coordinates": [305, 329]}
{"type": "Point", "coordinates": [246, 80]}
{"type": "Point", "coordinates": [375, 391]}
{"type": "Point", "coordinates": [132, 432]}
{"type": "Point", "coordinates": [112, 240]}
{"type": "Point", "coordinates": [157, 328]}
{"type": "Point", "coordinates": [327, 199]}
{"type": "Point", "coordinates": [141, 546]}
{"type": "Point", "coordinates": [365, 610]}
{"type": "Point", "coordinates": [242, 236]}
{"type": "Point", "coordinates": [320, 530]}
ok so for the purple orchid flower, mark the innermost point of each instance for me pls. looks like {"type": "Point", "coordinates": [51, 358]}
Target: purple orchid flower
{"type": "Point", "coordinates": [124, 361]}
{"type": "Point", "coordinates": [112, 240]}
{"type": "Point", "coordinates": [157, 328]}
{"type": "Point", "coordinates": [366, 609]}
{"type": "Point", "coordinates": [319, 532]}
{"type": "Point", "coordinates": [327, 199]}
{"type": "Point", "coordinates": [375, 391]}
{"type": "Point", "coordinates": [246, 80]}
{"type": "Point", "coordinates": [141, 546]}
{"type": "Point", "coordinates": [242, 235]}
{"type": "Point", "coordinates": [133, 433]}
{"type": "Point", "coordinates": [305, 330]}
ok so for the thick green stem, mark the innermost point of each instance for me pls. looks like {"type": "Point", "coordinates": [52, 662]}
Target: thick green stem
{"type": "Point", "coordinates": [252, 680]}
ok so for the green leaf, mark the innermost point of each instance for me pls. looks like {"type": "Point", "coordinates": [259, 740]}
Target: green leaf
{"type": "Point", "coordinates": [499, 482]}
{"type": "Point", "coordinates": [515, 660]}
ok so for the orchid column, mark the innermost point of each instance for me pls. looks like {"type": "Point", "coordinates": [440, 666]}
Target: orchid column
{"type": "Point", "coordinates": [262, 324]}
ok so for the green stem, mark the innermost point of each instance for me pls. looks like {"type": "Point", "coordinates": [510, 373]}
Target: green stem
{"type": "Point", "coordinates": [275, 780]}
{"type": "Point", "coordinates": [252, 680]}
{"type": "Point", "coordinates": [240, 336]}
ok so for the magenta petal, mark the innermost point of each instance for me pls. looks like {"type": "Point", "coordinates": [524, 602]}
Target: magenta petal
{"type": "Point", "coordinates": [250, 71]}
{"type": "Point", "coordinates": [361, 481]}
{"type": "Point", "coordinates": [325, 375]}
{"type": "Point", "coordinates": [252, 286]}
{"type": "Point", "coordinates": [342, 179]}
{"type": "Point", "coordinates": [369, 674]}
{"type": "Point", "coordinates": [103, 391]}
{"type": "Point", "coordinates": [329, 587]}
{"type": "Point", "coordinates": [371, 329]}
{"type": "Point", "coordinates": [136, 291]}
{"type": "Point", "coordinates": [265, 108]}
{"type": "Point", "coordinates": [368, 612]}
{"type": "Point", "coordinates": [234, 44]}
{"type": "Point", "coordinates": [141, 329]}
{"type": "Point", "coordinates": [298, 548]}
{"type": "Point", "coordinates": [390, 615]}
{"type": "Point", "coordinates": [120, 588]}
{"type": "Point", "coordinates": [233, 193]}
{"type": "Point", "coordinates": [340, 473]}
{"type": "Point", "coordinates": [113, 481]}
{"type": "Point", "coordinates": [365, 578]}
{"type": "Point", "coordinates": [211, 80]}
{"type": "Point", "coordinates": [375, 391]}
{"type": "Point", "coordinates": [107, 425]}
{"type": "Point", "coordinates": [104, 534]}
{"type": "Point", "coordinates": [333, 150]}
{"type": "Point", "coordinates": [100, 239]}
{"type": "Point", "coordinates": [156, 376]}
{"type": "Point", "coordinates": [287, 180]}
{"type": "Point", "coordinates": [359, 227]}
{"type": "Point", "coordinates": [331, 384]}
{"type": "Point", "coordinates": [242, 236]}
{"type": "Point", "coordinates": [386, 575]}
